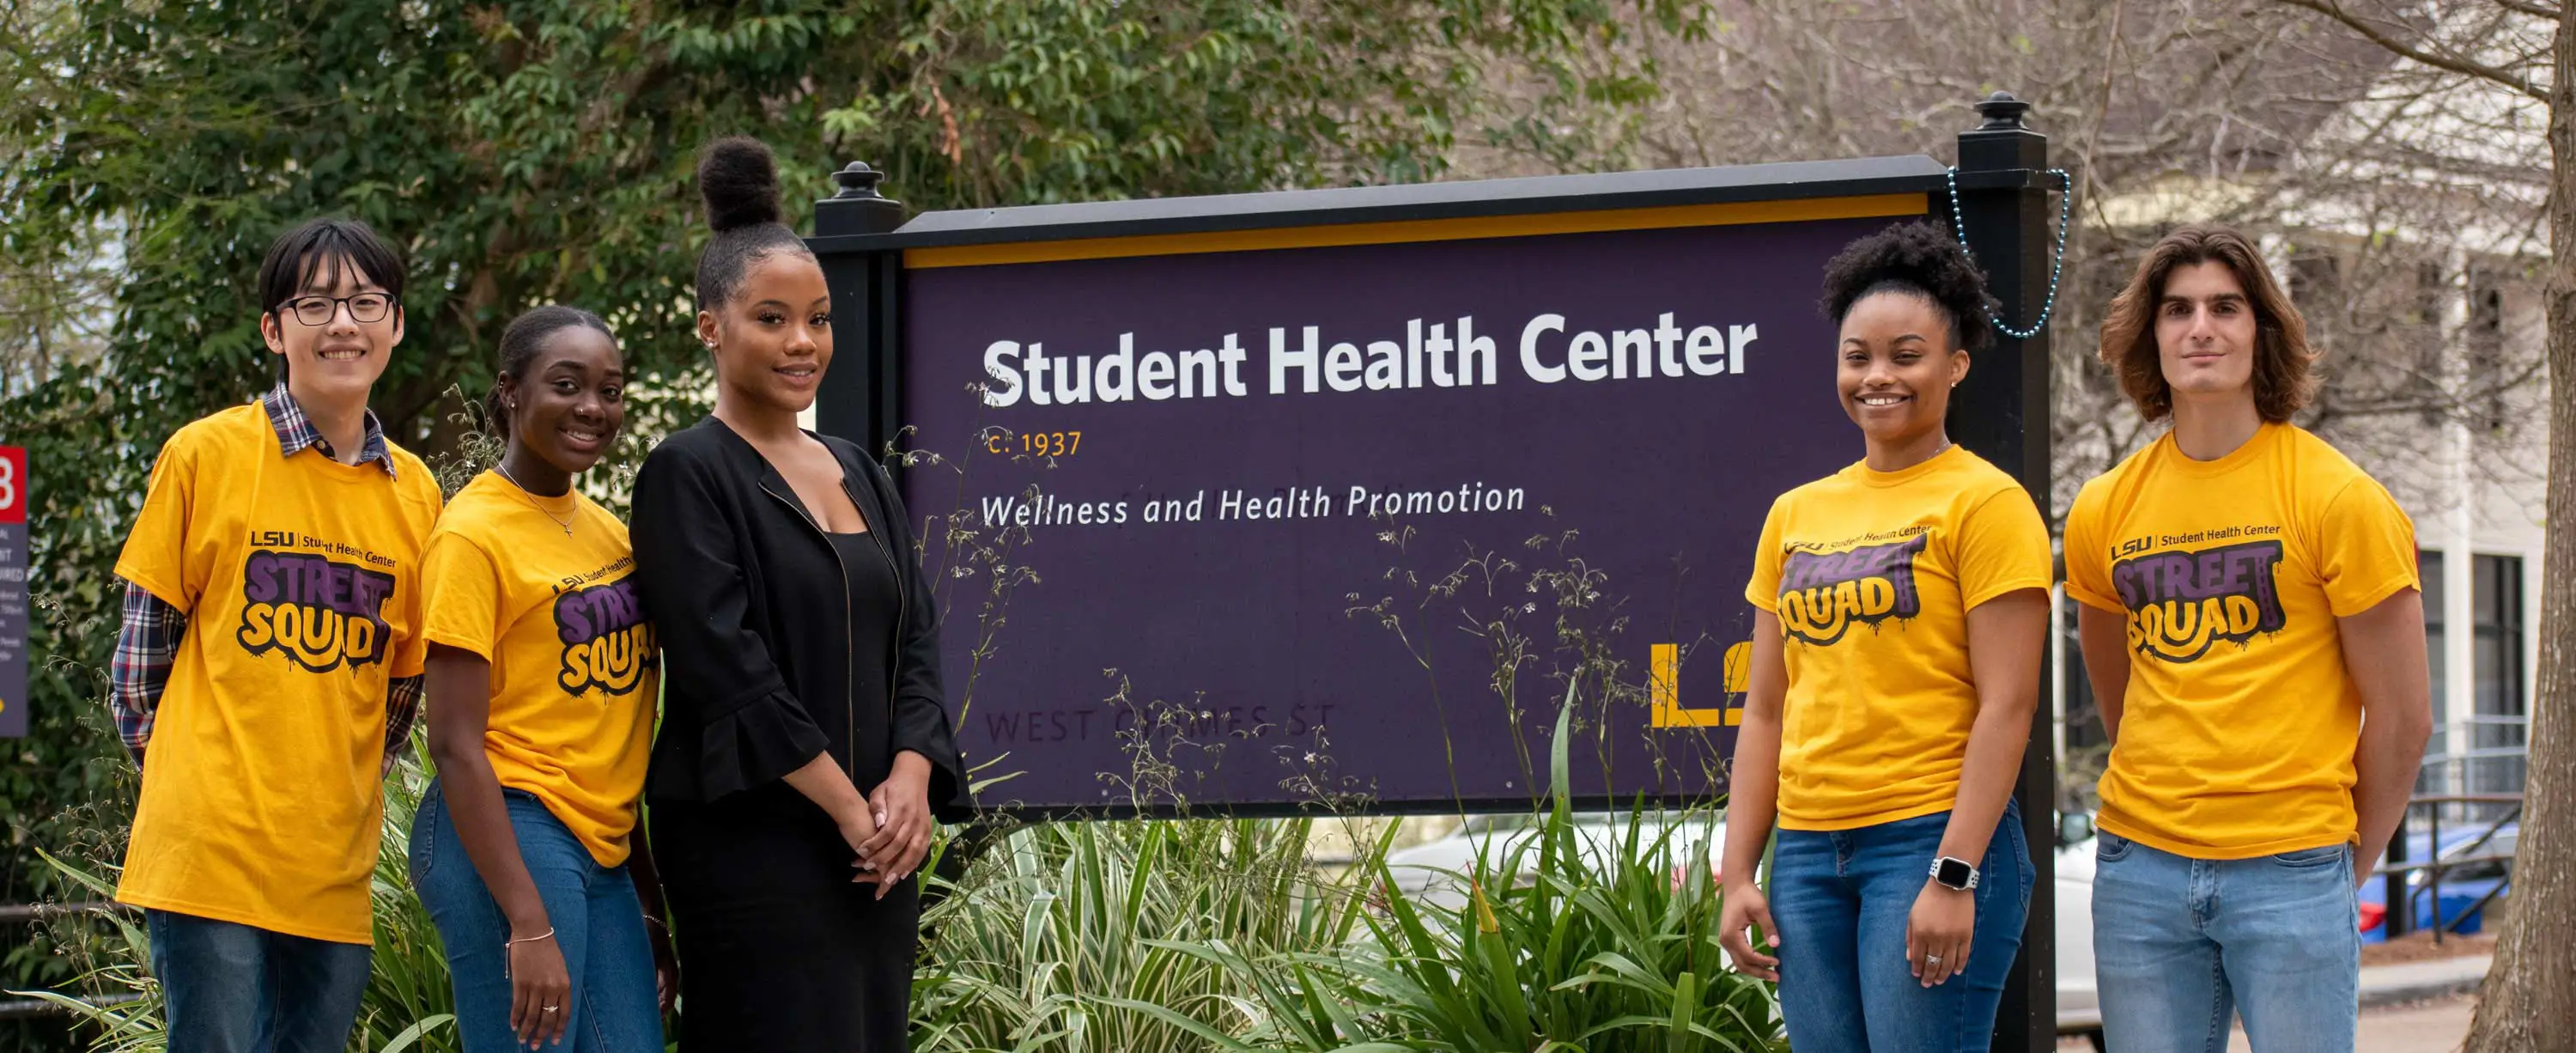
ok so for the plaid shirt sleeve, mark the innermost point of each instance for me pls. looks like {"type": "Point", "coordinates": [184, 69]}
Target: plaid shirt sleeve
{"type": "Point", "coordinates": [402, 706]}
{"type": "Point", "coordinates": [147, 641]}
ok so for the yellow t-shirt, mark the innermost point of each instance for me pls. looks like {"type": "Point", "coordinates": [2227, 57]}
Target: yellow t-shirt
{"type": "Point", "coordinates": [575, 667]}
{"type": "Point", "coordinates": [2239, 722]}
{"type": "Point", "coordinates": [1872, 575]}
{"type": "Point", "coordinates": [263, 793]}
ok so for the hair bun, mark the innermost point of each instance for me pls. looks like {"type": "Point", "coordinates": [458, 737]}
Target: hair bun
{"type": "Point", "coordinates": [738, 177]}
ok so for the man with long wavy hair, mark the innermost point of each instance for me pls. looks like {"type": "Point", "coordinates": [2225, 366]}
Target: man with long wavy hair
{"type": "Point", "coordinates": [2254, 631]}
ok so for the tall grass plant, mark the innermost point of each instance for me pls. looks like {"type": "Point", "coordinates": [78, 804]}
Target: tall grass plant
{"type": "Point", "coordinates": [1557, 948]}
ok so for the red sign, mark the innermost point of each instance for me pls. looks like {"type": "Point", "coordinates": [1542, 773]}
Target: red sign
{"type": "Point", "coordinates": [13, 484]}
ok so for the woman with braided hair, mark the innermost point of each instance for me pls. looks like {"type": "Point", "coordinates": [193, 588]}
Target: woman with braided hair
{"type": "Point", "coordinates": [1899, 611]}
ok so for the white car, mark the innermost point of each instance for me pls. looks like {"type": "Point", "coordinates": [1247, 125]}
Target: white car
{"type": "Point", "coordinates": [1428, 873]}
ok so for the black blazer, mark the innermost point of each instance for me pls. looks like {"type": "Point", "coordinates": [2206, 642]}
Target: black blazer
{"type": "Point", "coordinates": [715, 529]}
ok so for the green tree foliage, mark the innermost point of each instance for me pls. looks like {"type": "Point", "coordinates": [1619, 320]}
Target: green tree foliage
{"type": "Point", "coordinates": [532, 152]}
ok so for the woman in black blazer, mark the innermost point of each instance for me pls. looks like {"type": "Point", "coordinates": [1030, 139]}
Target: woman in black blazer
{"type": "Point", "coordinates": [805, 748]}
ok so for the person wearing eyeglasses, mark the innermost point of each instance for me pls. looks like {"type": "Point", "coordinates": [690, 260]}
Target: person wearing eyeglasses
{"type": "Point", "coordinates": [269, 663]}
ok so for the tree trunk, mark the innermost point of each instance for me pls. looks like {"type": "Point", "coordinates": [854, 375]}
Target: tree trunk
{"type": "Point", "coordinates": [2528, 1003]}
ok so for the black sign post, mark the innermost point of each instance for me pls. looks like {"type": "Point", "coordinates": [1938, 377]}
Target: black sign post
{"type": "Point", "coordinates": [1229, 395]}
{"type": "Point", "coordinates": [2001, 413]}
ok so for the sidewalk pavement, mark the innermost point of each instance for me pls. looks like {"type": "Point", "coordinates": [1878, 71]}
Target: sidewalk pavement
{"type": "Point", "coordinates": [2421, 981]}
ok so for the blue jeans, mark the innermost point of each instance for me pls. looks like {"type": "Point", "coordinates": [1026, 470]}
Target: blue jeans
{"type": "Point", "coordinates": [1842, 898]}
{"type": "Point", "coordinates": [598, 923]}
{"type": "Point", "coordinates": [233, 988]}
{"type": "Point", "coordinates": [2179, 942]}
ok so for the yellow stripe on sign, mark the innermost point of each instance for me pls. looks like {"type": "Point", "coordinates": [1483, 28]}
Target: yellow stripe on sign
{"type": "Point", "coordinates": [1396, 231]}
{"type": "Point", "coordinates": [1664, 689]}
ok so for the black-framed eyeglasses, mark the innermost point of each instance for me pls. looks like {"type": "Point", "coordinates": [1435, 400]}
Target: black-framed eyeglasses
{"type": "Point", "coordinates": [318, 310]}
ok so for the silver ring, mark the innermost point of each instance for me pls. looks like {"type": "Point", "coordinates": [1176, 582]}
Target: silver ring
{"type": "Point", "coordinates": [1931, 959]}
{"type": "Point", "coordinates": [546, 1008]}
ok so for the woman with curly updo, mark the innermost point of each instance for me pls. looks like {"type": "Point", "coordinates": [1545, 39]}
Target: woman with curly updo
{"type": "Point", "coordinates": [1899, 611]}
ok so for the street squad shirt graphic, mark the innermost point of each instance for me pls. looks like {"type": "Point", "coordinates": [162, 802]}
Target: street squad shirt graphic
{"type": "Point", "coordinates": [2185, 601]}
{"type": "Point", "coordinates": [319, 612]}
{"type": "Point", "coordinates": [607, 642]}
{"type": "Point", "coordinates": [2239, 719]}
{"type": "Point", "coordinates": [1871, 575]}
{"type": "Point", "coordinates": [1824, 593]}
{"type": "Point", "coordinates": [575, 664]}
{"type": "Point", "coordinates": [263, 781]}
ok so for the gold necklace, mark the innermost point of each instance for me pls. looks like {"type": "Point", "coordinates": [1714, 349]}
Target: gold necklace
{"type": "Point", "coordinates": [523, 488]}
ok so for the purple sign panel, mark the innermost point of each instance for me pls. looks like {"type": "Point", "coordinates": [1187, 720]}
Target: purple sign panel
{"type": "Point", "coordinates": [1256, 528]}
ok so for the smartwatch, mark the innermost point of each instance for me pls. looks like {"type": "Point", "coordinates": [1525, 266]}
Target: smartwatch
{"type": "Point", "coordinates": [1953, 872]}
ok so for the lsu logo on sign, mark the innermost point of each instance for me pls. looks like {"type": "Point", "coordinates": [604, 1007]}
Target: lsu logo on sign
{"type": "Point", "coordinates": [2182, 603]}
{"type": "Point", "coordinates": [1823, 593]}
{"type": "Point", "coordinates": [607, 641]}
{"type": "Point", "coordinates": [321, 614]}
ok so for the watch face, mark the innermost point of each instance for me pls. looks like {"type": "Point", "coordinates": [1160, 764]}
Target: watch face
{"type": "Point", "coordinates": [1953, 872]}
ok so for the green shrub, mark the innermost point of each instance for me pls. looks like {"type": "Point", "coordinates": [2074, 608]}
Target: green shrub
{"type": "Point", "coordinates": [1596, 950]}
{"type": "Point", "coordinates": [1078, 936]}
{"type": "Point", "coordinates": [407, 1003]}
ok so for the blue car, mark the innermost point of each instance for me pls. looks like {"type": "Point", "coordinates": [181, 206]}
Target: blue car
{"type": "Point", "coordinates": [2464, 888]}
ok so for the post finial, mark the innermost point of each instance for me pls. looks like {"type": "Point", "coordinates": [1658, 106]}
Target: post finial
{"type": "Point", "coordinates": [2002, 112]}
{"type": "Point", "coordinates": [857, 180]}
{"type": "Point", "coordinates": [857, 208]}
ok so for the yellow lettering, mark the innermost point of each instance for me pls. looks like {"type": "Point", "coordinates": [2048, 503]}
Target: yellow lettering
{"type": "Point", "coordinates": [2213, 620]}
{"type": "Point", "coordinates": [1877, 596]}
{"type": "Point", "coordinates": [2242, 616]}
{"type": "Point", "coordinates": [256, 631]}
{"type": "Point", "coordinates": [619, 649]}
{"type": "Point", "coordinates": [317, 636]}
{"type": "Point", "coordinates": [358, 641]}
{"type": "Point", "coordinates": [1814, 615]}
{"type": "Point", "coordinates": [1793, 609]}
{"type": "Point", "coordinates": [576, 671]}
{"type": "Point", "coordinates": [2180, 630]}
{"type": "Point", "coordinates": [614, 663]}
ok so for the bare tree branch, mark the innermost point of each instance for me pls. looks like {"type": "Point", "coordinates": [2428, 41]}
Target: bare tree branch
{"type": "Point", "coordinates": [2528, 8]}
{"type": "Point", "coordinates": [2334, 9]}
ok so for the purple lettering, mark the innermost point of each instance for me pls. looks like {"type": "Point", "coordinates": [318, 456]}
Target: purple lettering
{"type": "Point", "coordinates": [2177, 599]}
{"type": "Point", "coordinates": [259, 578]}
{"type": "Point", "coordinates": [313, 583]}
{"type": "Point", "coordinates": [1820, 593]}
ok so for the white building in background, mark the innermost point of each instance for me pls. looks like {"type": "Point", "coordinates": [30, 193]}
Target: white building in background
{"type": "Point", "coordinates": [2474, 480]}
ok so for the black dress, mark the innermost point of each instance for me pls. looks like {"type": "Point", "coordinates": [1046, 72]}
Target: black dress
{"type": "Point", "coordinates": [792, 642]}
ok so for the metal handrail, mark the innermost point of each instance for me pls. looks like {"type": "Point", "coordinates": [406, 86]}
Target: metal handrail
{"type": "Point", "coordinates": [2400, 899]}
{"type": "Point", "coordinates": [2447, 864]}
{"type": "Point", "coordinates": [36, 1008]}
{"type": "Point", "coordinates": [29, 913]}
{"type": "Point", "coordinates": [23, 913]}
